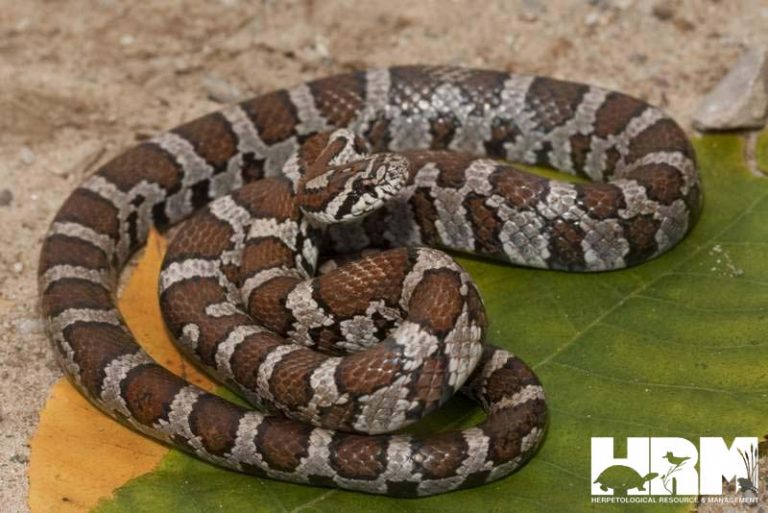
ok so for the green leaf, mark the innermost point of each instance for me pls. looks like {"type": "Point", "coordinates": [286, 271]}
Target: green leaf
{"type": "Point", "coordinates": [669, 348]}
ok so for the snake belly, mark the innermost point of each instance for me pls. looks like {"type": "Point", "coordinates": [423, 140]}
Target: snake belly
{"type": "Point", "coordinates": [643, 197]}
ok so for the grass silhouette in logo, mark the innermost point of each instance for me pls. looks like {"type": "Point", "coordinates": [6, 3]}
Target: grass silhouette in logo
{"type": "Point", "coordinates": [747, 485]}
{"type": "Point", "coordinates": [621, 478]}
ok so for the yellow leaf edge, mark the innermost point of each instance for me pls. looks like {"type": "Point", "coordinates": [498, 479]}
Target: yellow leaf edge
{"type": "Point", "coordinates": [78, 455]}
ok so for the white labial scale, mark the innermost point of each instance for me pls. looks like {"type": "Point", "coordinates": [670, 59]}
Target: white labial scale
{"type": "Point", "coordinates": [114, 374]}
{"type": "Point", "coordinates": [329, 214]}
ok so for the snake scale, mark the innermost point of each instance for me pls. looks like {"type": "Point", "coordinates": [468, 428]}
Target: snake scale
{"type": "Point", "coordinates": [394, 348]}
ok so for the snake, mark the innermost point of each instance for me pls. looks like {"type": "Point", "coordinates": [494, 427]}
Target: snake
{"type": "Point", "coordinates": [392, 166]}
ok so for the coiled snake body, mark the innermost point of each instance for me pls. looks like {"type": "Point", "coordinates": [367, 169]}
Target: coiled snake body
{"type": "Point", "coordinates": [642, 198]}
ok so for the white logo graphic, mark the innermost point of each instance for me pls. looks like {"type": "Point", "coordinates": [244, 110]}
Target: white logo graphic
{"type": "Point", "coordinates": [670, 467]}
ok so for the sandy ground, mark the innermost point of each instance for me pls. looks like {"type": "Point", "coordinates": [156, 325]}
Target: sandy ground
{"type": "Point", "coordinates": [80, 80]}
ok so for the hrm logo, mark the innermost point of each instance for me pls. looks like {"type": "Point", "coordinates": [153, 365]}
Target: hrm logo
{"type": "Point", "coordinates": [673, 466]}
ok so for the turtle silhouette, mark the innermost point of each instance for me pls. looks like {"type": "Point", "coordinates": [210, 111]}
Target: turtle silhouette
{"type": "Point", "coordinates": [620, 478]}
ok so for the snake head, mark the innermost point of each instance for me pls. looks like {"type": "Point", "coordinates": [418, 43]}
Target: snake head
{"type": "Point", "coordinates": [343, 182]}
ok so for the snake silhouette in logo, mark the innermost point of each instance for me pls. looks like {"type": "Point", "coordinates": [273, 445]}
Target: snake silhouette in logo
{"type": "Point", "coordinates": [620, 478]}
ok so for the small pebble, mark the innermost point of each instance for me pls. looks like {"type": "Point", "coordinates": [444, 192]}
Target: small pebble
{"type": "Point", "coordinates": [23, 24]}
{"type": "Point", "coordinates": [219, 90]}
{"type": "Point", "coordinates": [29, 326]}
{"type": "Point", "coordinates": [532, 10]}
{"type": "Point", "coordinates": [27, 156]}
{"type": "Point", "coordinates": [6, 196]}
{"type": "Point", "coordinates": [591, 19]}
{"type": "Point", "coordinates": [127, 40]}
{"type": "Point", "coordinates": [18, 267]}
{"type": "Point", "coordinates": [663, 11]}
{"type": "Point", "coordinates": [740, 99]}
{"type": "Point", "coordinates": [19, 458]}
